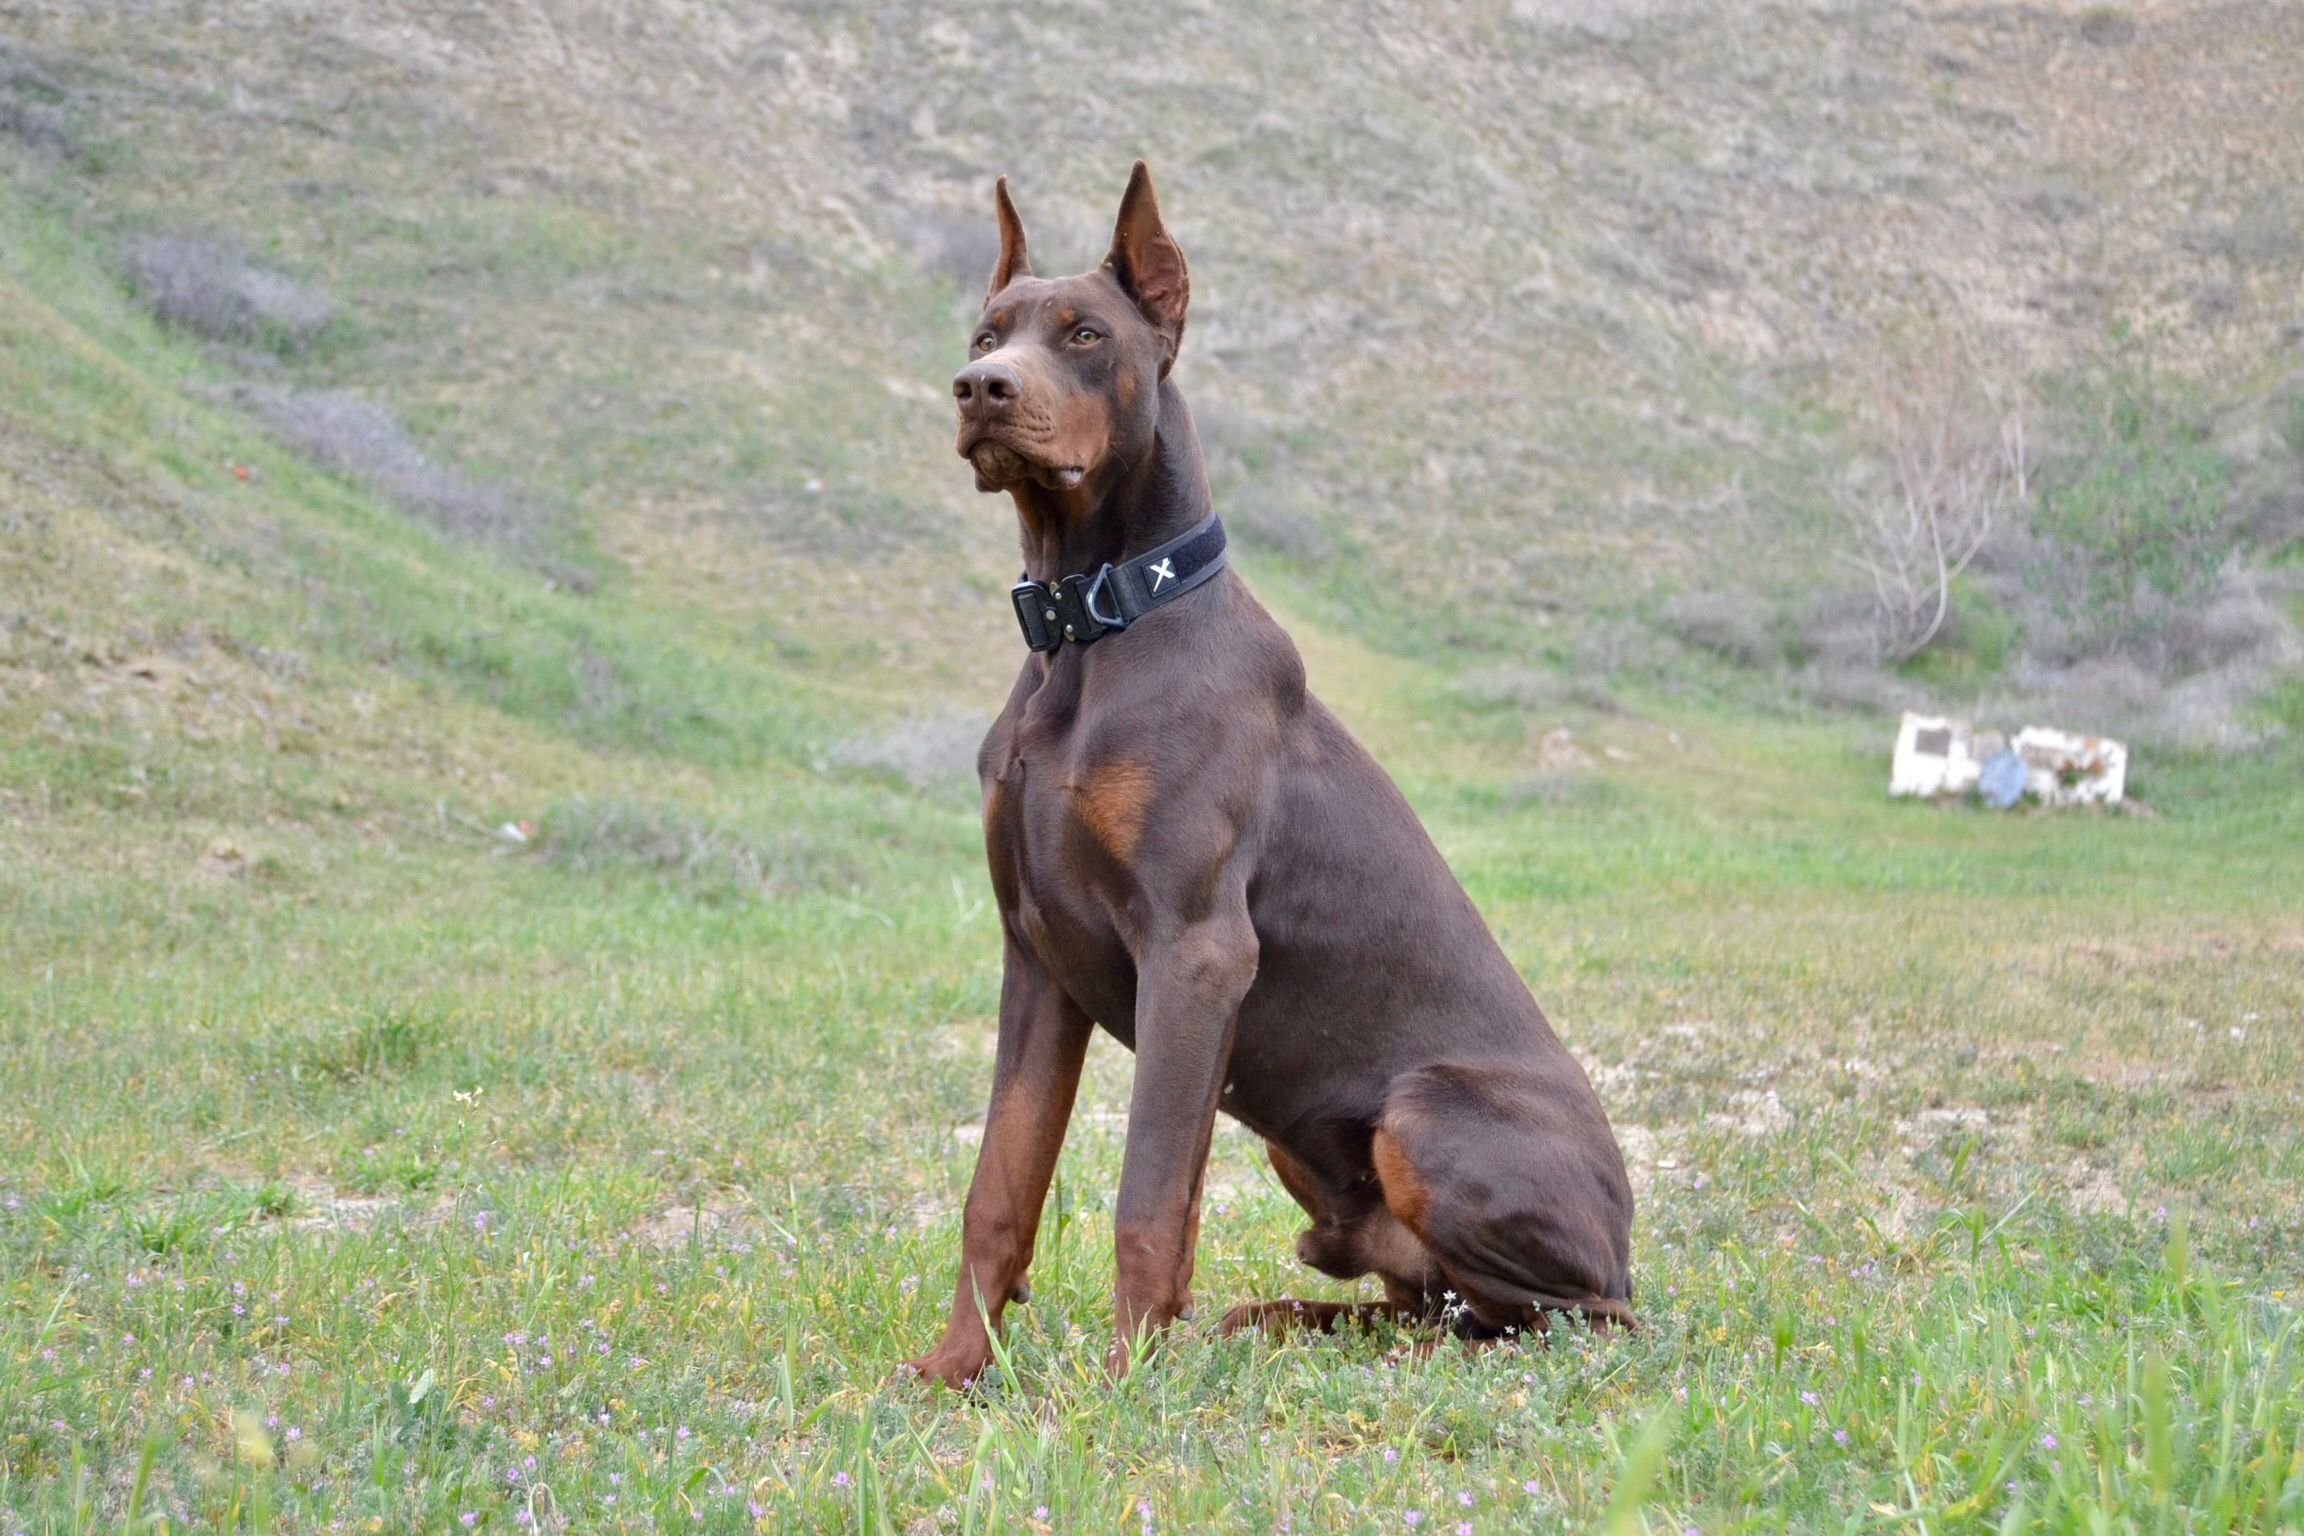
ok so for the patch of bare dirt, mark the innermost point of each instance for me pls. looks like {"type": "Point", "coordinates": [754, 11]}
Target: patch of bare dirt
{"type": "Point", "coordinates": [2093, 1188]}
{"type": "Point", "coordinates": [1754, 1112]}
{"type": "Point", "coordinates": [321, 1209]}
{"type": "Point", "coordinates": [675, 1225]}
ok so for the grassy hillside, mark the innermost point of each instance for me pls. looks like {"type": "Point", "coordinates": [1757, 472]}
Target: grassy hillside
{"type": "Point", "coordinates": [1512, 325]}
{"type": "Point", "coordinates": [496, 982]}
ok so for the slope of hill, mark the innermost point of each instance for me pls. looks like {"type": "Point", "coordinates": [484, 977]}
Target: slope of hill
{"type": "Point", "coordinates": [1512, 323]}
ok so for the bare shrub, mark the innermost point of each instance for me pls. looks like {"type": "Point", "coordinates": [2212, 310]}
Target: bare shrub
{"type": "Point", "coordinates": [2240, 621]}
{"type": "Point", "coordinates": [1622, 647]}
{"type": "Point", "coordinates": [214, 290]}
{"type": "Point", "coordinates": [1285, 523]}
{"type": "Point", "coordinates": [1730, 625]}
{"type": "Point", "coordinates": [1839, 683]}
{"type": "Point", "coordinates": [1840, 629]}
{"type": "Point", "coordinates": [1512, 687]}
{"type": "Point", "coordinates": [960, 248]}
{"type": "Point", "coordinates": [2107, 25]}
{"type": "Point", "coordinates": [364, 441]}
{"type": "Point", "coordinates": [32, 106]}
{"type": "Point", "coordinates": [1602, 20]}
{"type": "Point", "coordinates": [1956, 467]}
{"type": "Point", "coordinates": [928, 749]}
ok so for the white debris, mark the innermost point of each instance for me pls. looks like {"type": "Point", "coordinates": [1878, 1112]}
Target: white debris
{"type": "Point", "coordinates": [2066, 768]}
{"type": "Point", "coordinates": [1937, 755]}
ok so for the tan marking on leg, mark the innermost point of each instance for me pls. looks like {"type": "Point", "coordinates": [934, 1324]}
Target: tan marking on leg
{"type": "Point", "coordinates": [1112, 801]}
{"type": "Point", "coordinates": [1405, 1193]}
{"type": "Point", "coordinates": [1298, 1180]}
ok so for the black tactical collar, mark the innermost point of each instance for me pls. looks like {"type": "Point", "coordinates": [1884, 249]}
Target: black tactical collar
{"type": "Point", "coordinates": [1083, 608]}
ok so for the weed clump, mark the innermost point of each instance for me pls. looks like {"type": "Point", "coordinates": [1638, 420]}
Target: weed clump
{"type": "Point", "coordinates": [366, 442]}
{"type": "Point", "coordinates": [927, 750]}
{"type": "Point", "coordinates": [960, 248]}
{"type": "Point", "coordinates": [1731, 627]}
{"type": "Point", "coordinates": [384, 1043]}
{"type": "Point", "coordinates": [32, 106]}
{"type": "Point", "coordinates": [213, 289]}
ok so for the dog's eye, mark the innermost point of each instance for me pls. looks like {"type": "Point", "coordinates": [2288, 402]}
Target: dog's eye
{"type": "Point", "coordinates": [984, 340]}
{"type": "Point", "coordinates": [1087, 334]}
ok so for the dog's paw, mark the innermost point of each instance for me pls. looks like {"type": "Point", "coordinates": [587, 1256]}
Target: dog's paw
{"type": "Point", "coordinates": [1262, 1316]}
{"type": "Point", "coordinates": [959, 1366]}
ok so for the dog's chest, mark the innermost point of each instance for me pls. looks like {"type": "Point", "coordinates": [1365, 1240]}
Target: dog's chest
{"type": "Point", "coordinates": [1050, 824]}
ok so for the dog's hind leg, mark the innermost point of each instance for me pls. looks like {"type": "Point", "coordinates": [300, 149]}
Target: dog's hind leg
{"type": "Point", "coordinates": [1517, 1190]}
{"type": "Point", "coordinates": [1288, 1316]}
{"type": "Point", "coordinates": [1349, 1237]}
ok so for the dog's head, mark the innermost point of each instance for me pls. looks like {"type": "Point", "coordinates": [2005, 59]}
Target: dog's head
{"type": "Point", "coordinates": [1062, 385]}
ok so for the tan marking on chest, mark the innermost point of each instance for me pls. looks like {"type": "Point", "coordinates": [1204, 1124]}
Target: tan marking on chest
{"type": "Point", "coordinates": [1113, 801]}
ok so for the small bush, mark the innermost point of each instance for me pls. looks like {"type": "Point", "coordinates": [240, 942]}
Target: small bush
{"type": "Point", "coordinates": [1512, 687]}
{"type": "Point", "coordinates": [1840, 630]}
{"type": "Point", "coordinates": [381, 1044]}
{"type": "Point", "coordinates": [2107, 25]}
{"type": "Point", "coordinates": [32, 106]}
{"type": "Point", "coordinates": [1622, 647]}
{"type": "Point", "coordinates": [2237, 621]}
{"type": "Point", "coordinates": [1842, 682]}
{"type": "Point", "coordinates": [961, 248]}
{"type": "Point", "coordinates": [2144, 509]}
{"type": "Point", "coordinates": [929, 749]}
{"type": "Point", "coordinates": [1600, 20]}
{"type": "Point", "coordinates": [2290, 418]}
{"type": "Point", "coordinates": [366, 442]}
{"type": "Point", "coordinates": [1284, 524]}
{"type": "Point", "coordinates": [1731, 626]}
{"type": "Point", "coordinates": [214, 290]}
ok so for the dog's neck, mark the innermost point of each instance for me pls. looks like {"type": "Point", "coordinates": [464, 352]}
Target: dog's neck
{"type": "Point", "coordinates": [1117, 516]}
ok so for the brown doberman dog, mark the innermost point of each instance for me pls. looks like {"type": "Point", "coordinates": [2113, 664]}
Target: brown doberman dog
{"type": "Point", "coordinates": [1190, 850]}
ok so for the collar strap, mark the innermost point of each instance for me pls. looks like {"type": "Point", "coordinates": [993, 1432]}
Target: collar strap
{"type": "Point", "coordinates": [1086, 607]}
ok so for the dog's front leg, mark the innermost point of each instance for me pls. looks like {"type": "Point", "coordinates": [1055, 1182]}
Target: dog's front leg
{"type": "Point", "coordinates": [1035, 1074]}
{"type": "Point", "coordinates": [1188, 992]}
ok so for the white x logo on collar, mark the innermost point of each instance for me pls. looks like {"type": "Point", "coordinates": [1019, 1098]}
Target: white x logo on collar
{"type": "Point", "coordinates": [1162, 570]}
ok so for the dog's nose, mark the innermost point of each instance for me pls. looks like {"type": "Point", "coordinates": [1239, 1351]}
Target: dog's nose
{"type": "Point", "coordinates": [982, 388]}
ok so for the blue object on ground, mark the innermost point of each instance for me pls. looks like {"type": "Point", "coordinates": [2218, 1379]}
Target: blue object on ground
{"type": "Point", "coordinates": [2000, 783]}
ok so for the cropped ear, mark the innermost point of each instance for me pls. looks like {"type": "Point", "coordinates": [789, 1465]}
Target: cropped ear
{"type": "Point", "coordinates": [1148, 262]}
{"type": "Point", "coordinates": [1012, 264]}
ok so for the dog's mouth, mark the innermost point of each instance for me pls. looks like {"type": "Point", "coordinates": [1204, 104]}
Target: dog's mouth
{"type": "Point", "coordinates": [1000, 466]}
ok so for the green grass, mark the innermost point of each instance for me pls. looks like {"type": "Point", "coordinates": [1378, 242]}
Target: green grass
{"type": "Point", "coordinates": [360, 1163]}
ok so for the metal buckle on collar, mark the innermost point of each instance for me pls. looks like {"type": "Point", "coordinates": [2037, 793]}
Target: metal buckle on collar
{"type": "Point", "coordinates": [1051, 613]}
{"type": "Point", "coordinates": [1100, 582]}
